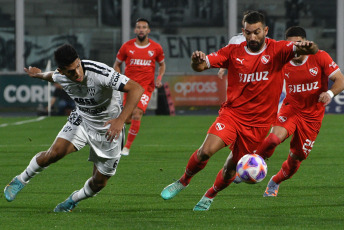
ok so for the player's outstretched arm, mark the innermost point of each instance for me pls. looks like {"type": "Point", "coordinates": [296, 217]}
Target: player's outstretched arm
{"type": "Point", "coordinates": [117, 66]}
{"type": "Point", "coordinates": [135, 92]}
{"type": "Point", "coordinates": [35, 72]}
{"type": "Point", "coordinates": [221, 73]}
{"type": "Point", "coordinates": [337, 87]}
{"type": "Point", "coordinates": [306, 47]}
{"type": "Point", "coordinates": [198, 61]}
{"type": "Point", "coordinates": [161, 72]}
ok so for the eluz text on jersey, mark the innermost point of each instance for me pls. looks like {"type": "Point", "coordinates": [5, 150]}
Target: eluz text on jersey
{"type": "Point", "coordinates": [251, 77]}
{"type": "Point", "coordinates": [141, 62]}
{"type": "Point", "coordinates": [303, 87]}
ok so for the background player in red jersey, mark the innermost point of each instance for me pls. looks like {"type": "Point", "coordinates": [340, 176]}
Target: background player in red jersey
{"type": "Point", "coordinates": [254, 85]}
{"type": "Point", "coordinates": [140, 55]}
{"type": "Point", "coordinates": [303, 108]}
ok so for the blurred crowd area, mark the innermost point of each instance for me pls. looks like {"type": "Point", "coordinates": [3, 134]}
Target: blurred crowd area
{"type": "Point", "coordinates": [94, 27]}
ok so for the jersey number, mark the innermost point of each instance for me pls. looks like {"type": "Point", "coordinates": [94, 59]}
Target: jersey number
{"type": "Point", "coordinates": [307, 146]}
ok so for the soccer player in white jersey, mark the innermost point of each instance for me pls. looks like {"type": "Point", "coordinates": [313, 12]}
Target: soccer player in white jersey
{"type": "Point", "coordinates": [97, 121]}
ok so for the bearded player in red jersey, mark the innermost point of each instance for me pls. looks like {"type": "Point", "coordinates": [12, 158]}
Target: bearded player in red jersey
{"type": "Point", "coordinates": [254, 85]}
{"type": "Point", "coordinates": [303, 108]}
{"type": "Point", "coordinates": [140, 55]}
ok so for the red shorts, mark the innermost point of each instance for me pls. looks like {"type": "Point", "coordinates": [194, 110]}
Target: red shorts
{"type": "Point", "coordinates": [145, 98]}
{"type": "Point", "coordinates": [304, 132]}
{"type": "Point", "coordinates": [241, 139]}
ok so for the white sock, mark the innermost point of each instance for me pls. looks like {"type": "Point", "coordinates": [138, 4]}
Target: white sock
{"type": "Point", "coordinates": [32, 169]}
{"type": "Point", "coordinates": [84, 193]}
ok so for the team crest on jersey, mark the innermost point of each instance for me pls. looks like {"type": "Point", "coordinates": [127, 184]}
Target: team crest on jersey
{"type": "Point", "coordinates": [219, 126]}
{"type": "Point", "coordinates": [150, 53]}
{"type": "Point", "coordinates": [265, 59]}
{"type": "Point", "coordinates": [91, 91]}
{"type": "Point", "coordinates": [282, 119]}
{"type": "Point", "coordinates": [314, 71]}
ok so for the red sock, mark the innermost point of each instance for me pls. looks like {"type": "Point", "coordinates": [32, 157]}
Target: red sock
{"type": "Point", "coordinates": [133, 130]}
{"type": "Point", "coordinates": [194, 166]}
{"type": "Point", "coordinates": [267, 148]}
{"type": "Point", "coordinates": [219, 185]}
{"type": "Point", "coordinates": [289, 168]}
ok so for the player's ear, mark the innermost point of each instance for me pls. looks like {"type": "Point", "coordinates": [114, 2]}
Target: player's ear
{"type": "Point", "coordinates": [60, 71]}
{"type": "Point", "coordinates": [266, 30]}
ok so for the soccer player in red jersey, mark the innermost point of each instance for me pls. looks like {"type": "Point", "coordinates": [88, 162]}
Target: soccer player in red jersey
{"type": "Point", "coordinates": [140, 55]}
{"type": "Point", "coordinates": [254, 85]}
{"type": "Point", "coordinates": [303, 108]}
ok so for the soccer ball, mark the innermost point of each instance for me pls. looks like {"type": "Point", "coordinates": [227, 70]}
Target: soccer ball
{"type": "Point", "coordinates": [252, 168]}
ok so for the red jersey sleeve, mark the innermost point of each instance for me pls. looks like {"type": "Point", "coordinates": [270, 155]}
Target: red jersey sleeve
{"type": "Point", "coordinates": [161, 56]}
{"type": "Point", "coordinates": [122, 53]}
{"type": "Point", "coordinates": [326, 62]}
{"type": "Point", "coordinates": [220, 58]}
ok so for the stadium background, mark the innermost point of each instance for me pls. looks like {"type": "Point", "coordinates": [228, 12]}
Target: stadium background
{"type": "Point", "coordinates": [30, 31]}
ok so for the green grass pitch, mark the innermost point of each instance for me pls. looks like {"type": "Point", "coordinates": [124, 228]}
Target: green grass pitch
{"type": "Point", "coordinates": [312, 199]}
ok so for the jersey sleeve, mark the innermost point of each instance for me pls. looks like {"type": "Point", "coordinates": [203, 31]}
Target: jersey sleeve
{"type": "Point", "coordinates": [219, 59]}
{"type": "Point", "coordinates": [326, 62]}
{"type": "Point", "coordinates": [122, 54]}
{"type": "Point", "coordinates": [286, 50]}
{"type": "Point", "coordinates": [161, 56]}
{"type": "Point", "coordinates": [110, 78]}
{"type": "Point", "coordinates": [117, 81]}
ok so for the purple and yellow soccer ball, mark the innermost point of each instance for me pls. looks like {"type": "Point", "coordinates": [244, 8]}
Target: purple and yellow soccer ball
{"type": "Point", "coordinates": [251, 168]}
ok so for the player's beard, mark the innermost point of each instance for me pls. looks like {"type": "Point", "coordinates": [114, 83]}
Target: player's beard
{"type": "Point", "coordinates": [255, 46]}
{"type": "Point", "coordinates": [141, 38]}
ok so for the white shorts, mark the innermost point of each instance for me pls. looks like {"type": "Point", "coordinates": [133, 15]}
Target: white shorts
{"type": "Point", "coordinates": [103, 153]}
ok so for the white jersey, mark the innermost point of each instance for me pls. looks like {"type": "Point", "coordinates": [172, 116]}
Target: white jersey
{"type": "Point", "coordinates": [237, 39]}
{"type": "Point", "coordinates": [97, 100]}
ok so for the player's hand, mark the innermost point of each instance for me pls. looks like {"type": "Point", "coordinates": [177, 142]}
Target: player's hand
{"type": "Point", "coordinates": [306, 47]}
{"type": "Point", "coordinates": [158, 83]}
{"type": "Point", "coordinates": [221, 73]}
{"type": "Point", "coordinates": [198, 57]}
{"type": "Point", "coordinates": [114, 130]}
{"type": "Point", "coordinates": [325, 98]}
{"type": "Point", "coordinates": [33, 71]}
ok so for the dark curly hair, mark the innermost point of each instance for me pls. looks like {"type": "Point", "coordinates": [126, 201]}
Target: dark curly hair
{"type": "Point", "coordinates": [65, 55]}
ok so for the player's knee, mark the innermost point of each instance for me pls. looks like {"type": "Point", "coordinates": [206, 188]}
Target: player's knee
{"type": "Point", "coordinates": [273, 140]}
{"type": "Point", "coordinates": [137, 115]}
{"type": "Point", "coordinates": [228, 173]}
{"type": "Point", "coordinates": [204, 154]}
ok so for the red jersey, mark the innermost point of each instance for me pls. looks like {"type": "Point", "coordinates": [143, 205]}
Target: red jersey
{"type": "Point", "coordinates": [255, 80]}
{"type": "Point", "coordinates": [306, 81]}
{"type": "Point", "coordinates": [140, 61]}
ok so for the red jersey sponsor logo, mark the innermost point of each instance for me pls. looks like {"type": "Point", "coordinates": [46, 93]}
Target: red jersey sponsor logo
{"type": "Point", "coordinates": [265, 59]}
{"type": "Point", "coordinates": [140, 62]}
{"type": "Point", "coordinates": [282, 119]}
{"type": "Point", "coordinates": [314, 71]}
{"type": "Point", "coordinates": [219, 126]}
{"type": "Point", "coordinates": [303, 87]}
{"type": "Point", "coordinates": [251, 77]}
{"type": "Point", "coordinates": [240, 60]}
